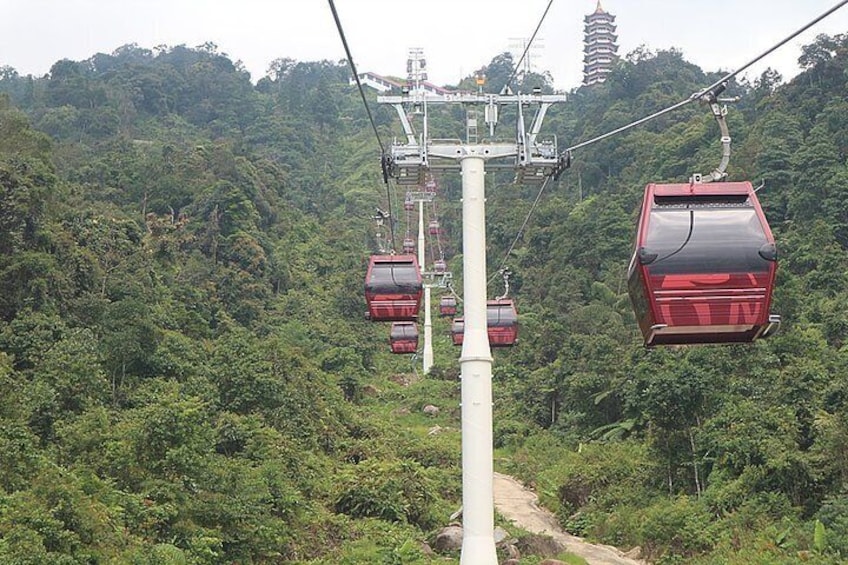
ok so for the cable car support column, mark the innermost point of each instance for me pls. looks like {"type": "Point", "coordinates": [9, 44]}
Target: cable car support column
{"type": "Point", "coordinates": [428, 321]}
{"type": "Point", "coordinates": [534, 158]}
{"type": "Point", "coordinates": [478, 544]}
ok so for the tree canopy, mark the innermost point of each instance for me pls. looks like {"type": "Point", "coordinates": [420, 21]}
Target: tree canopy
{"type": "Point", "coordinates": [189, 378]}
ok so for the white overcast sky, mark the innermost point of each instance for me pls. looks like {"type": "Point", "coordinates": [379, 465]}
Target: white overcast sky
{"type": "Point", "coordinates": [457, 36]}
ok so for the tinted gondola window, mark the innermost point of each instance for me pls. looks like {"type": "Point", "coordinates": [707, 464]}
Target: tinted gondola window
{"type": "Point", "coordinates": [394, 276]}
{"type": "Point", "coordinates": [500, 315]}
{"type": "Point", "coordinates": [704, 239]}
{"type": "Point", "coordinates": [403, 330]}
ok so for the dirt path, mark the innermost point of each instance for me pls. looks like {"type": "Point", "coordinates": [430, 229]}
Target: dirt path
{"type": "Point", "coordinates": [514, 502]}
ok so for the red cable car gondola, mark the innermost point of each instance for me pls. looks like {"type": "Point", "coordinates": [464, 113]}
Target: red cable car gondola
{"type": "Point", "coordinates": [501, 322]}
{"type": "Point", "coordinates": [408, 245]}
{"type": "Point", "coordinates": [457, 330]}
{"type": "Point", "coordinates": [704, 266]}
{"type": "Point", "coordinates": [447, 305]}
{"type": "Point", "coordinates": [433, 227]}
{"type": "Point", "coordinates": [393, 288]}
{"type": "Point", "coordinates": [440, 266]}
{"type": "Point", "coordinates": [403, 337]}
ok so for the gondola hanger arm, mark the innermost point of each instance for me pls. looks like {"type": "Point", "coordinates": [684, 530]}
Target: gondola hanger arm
{"type": "Point", "coordinates": [711, 98]}
{"type": "Point", "coordinates": [506, 274]}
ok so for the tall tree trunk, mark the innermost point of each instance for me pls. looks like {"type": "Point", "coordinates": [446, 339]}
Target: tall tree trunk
{"type": "Point", "coordinates": [670, 469]}
{"type": "Point", "coordinates": [695, 462]}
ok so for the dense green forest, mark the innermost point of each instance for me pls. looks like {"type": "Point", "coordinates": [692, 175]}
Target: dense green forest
{"type": "Point", "coordinates": [187, 375]}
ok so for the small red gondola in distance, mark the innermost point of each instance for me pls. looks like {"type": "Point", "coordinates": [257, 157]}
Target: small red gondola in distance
{"type": "Point", "coordinates": [403, 337]}
{"type": "Point", "coordinates": [393, 288]}
{"type": "Point", "coordinates": [457, 331]}
{"type": "Point", "coordinates": [704, 266]}
{"type": "Point", "coordinates": [447, 305]}
{"type": "Point", "coordinates": [501, 324]}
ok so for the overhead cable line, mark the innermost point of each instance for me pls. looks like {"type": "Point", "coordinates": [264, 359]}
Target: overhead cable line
{"type": "Point", "coordinates": [438, 233]}
{"type": "Point", "coordinates": [356, 75]}
{"type": "Point", "coordinates": [383, 158]}
{"type": "Point", "coordinates": [706, 91]}
{"type": "Point", "coordinates": [520, 231]}
{"type": "Point", "coordinates": [527, 47]}
{"type": "Point", "coordinates": [542, 189]}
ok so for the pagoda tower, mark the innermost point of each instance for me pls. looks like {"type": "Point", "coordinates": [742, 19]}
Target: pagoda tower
{"type": "Point", "coordinates": [599, 46]}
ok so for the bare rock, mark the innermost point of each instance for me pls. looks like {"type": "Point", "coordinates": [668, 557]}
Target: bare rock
{"type": "Point", "coordinates": [500, 534]}
{"type": "Point", "coordinates": [635, 553]}
{"type": "Point", "coordinates": [511, 562]}
{"type": "Point", "coordinates": [541, 545]}
{"type": "Point", "coordinates": [448, 539]}
{"type": "Point", "coordinates": [511, 551]}
{"type": "Point", "coordinates": [427, 550]}
{"type": "Point", "coordinates": [431, 410]}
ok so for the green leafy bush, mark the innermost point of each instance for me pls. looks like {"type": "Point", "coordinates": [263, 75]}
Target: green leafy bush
{"type": "Point", "coordinates": [395, 491]}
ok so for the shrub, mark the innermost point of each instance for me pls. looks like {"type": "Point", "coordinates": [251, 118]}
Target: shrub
{"type": "Point", "coordinates": [834, 516]}
{"type": "Point", "coordinates": [510, 433]}
{"type": "Point", "coordinates": [394, 491]}
{"type": "Point", "coordinates": [677, 527]}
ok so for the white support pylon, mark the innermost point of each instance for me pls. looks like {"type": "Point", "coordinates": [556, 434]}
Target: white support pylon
{"type": "Point", "coordinates": [428, 332]}
{"type": "Point", "coordinates": [428, 321]}
{"type": "Point", "coordinates": [534, 159]}
{"type": "Point", "coordinates": [478, 512]}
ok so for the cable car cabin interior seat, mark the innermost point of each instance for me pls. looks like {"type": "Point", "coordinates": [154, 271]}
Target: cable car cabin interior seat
{"type": "Point", "coordinates": [704, 266]}
{"type": "Point", "coordinates": [393, 288]}
{"type": "Point", "coordinates": [403, 337]}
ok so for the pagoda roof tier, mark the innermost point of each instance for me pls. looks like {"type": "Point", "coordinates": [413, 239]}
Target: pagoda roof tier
{"type": "Point", "coordinates": [599, 45]}
{"type": "Point", "coordinates": [605, 17]}
{"type": "Point", "coordinates": [598, 29]}
{"type": "Point", "coordinates": [602, 60]}
{"type": "Point", "coordinates": [600, 48]}
{"type": "Point", "coordinates": [591, 66]}
{"type": "Point", "coordinates": [599, 53]}
{"type": "Point", "coordinates": [595, 36]}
